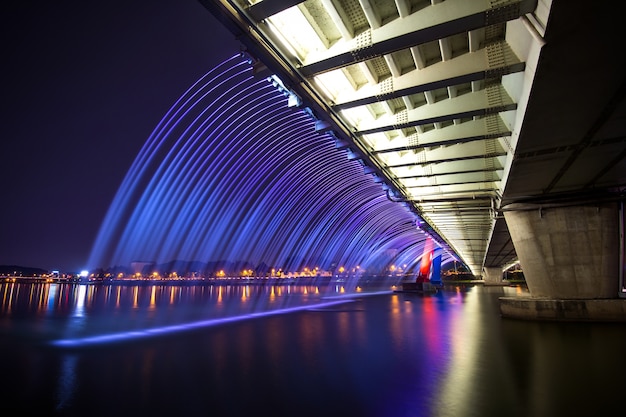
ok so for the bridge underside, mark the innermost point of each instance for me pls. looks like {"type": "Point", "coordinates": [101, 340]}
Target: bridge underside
{"type": "Point", "coordinates": [464, 109]}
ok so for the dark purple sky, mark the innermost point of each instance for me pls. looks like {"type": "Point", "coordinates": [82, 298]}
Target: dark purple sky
{"type": "Point", "coordinates": [84, 85]}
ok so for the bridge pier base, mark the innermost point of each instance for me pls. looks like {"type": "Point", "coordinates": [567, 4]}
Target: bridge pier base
{"type": "Point", "coordinates": [492, 276]}
{"type": "Point", "coordinates": [570, 256]}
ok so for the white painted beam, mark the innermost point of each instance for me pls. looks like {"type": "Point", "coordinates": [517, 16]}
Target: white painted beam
{"type": "Point", "coordinates": [339, 18]}
{"type": "Point", "coordinates": [407, 102]}
{"type": "Point", "coordinates": [461, 66]}
{"type": "Point", "coordinates": [453, 92]}
{"type": "Point", "coordinates": [404, 8]}
{"type": "Point", "coordinates": [439, 111]}
{"type": "Point", "coordinates": [443, 168]}
{"type": "Point", "coordinates": [418, 58]}
{"type": "Point", "coordinates": [475, 39]}
{"type": "Point", "coordinates": [388, 108]}
{"type": "Point", "coordinates": [473, 177]}
{"type": "Point", "coordinates": [477, 86]}
{"type": "Point", "coordinates": [452, 134]}
{"type": "Point", "coordinates": [456, 151]}
{"type": "Point", "coordinates": [393, 67]}
{"type": "Point", "coordinates": [372, 78]}
{"type": "Point", "coordinates": [461, 190]}
{"type": "Point", "coordinates": [445, 49]}
{"type": "Point", "coordinates": [428, 24]}
{"type": "Point", "coordinates": [430, 97]}
{"type": "Point", "coordinates": [370, 14]}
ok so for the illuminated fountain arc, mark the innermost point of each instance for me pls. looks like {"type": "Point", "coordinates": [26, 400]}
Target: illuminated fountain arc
{"type": "Point", "coordinates": [131, 186]}
{"type": "Point", "coordinates": [179, 159]}
{"type": "Point", "coordinates": [245, 185]}
{"type": "Point", "coordinates": [186, 166]}
{"type": "Point", "coordinates": [196, 203]}
{"type": "Point", "coordinates": [208, 179]}
{"type": "Point", "coordinates": [234, 173]}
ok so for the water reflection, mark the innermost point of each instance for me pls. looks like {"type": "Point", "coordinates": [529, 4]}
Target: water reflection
{"type": "Point", "coordinates": [66, 382]}
{"type": "Point", "coordinates": [75, 311]}
{"type": "Point", "coordinates": [464, 336]}
{"type": "Point", "coordinates": [448, 354]}
{"type": "Point", "coordinates": [80, 300]}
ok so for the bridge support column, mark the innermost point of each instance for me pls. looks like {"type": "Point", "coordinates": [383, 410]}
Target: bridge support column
{"type": "Point", "coordinates": [570, 258]}
{"type": "Point", "coordinates": [492, 276]}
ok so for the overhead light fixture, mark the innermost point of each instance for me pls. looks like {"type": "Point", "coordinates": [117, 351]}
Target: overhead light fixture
{"type": "Point", "coordinates": [293, 100]}
{"type": "Point", "coordinates": [248, 57]}
{"type": "Point", "coordinates": [351, 155]}
{"type": "Point", "coordinates": [279, 84]}
{"type": "Point", "coordinates": [309, 112]}
{"type": "Point", "coordinates": [322, 126]}
{"type": "Point", "coordinates": [341, 144]}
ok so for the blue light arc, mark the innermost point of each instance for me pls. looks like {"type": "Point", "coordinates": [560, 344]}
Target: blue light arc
{"type": "Point", "coordinates": [233, 173]}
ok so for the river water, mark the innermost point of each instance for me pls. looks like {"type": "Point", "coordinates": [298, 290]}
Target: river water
{"type": "Point", "coordinates": [296, 350]}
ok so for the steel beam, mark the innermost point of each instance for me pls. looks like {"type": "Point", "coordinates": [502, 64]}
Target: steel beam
{"type": "Point", "coordinates": [429, 24]}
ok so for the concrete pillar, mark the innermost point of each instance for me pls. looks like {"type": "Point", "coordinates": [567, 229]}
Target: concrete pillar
{"type": "Point", "coordinates": [568, 252]}
{"type": "Point", "coordinates": [570, 259]}
{"type": "Point", "coordinates": [492, 276]}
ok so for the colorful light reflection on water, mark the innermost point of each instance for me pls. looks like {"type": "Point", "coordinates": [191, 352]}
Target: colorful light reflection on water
{"type": "Point", "coordinates": [102, 313]}
{"type": "Point", "coordinates": [393, 354]}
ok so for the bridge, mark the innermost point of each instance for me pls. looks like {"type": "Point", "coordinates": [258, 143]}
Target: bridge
{"type": "Point", "coordinates": [500, 122]}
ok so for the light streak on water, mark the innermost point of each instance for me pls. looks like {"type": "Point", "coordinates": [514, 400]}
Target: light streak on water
{"type": "Point", "coordinates": [51, 297]}
{"type": "Point", "coordinates": [164, 330]}
{"type": "Point", "coordinates": [350, 296]}
{"type": "Point", "coordinates": [79, 310]}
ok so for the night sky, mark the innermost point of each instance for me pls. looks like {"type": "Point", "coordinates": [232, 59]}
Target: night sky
{"type": "Point", "coordinates": [84, 85]}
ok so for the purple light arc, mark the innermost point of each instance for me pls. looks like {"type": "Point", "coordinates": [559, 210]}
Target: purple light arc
{"type": "Point", "coordinates": [233, 173]}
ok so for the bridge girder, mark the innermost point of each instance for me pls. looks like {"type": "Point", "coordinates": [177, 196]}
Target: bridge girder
{"type": "Point", "coordinates": [430, 95]}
